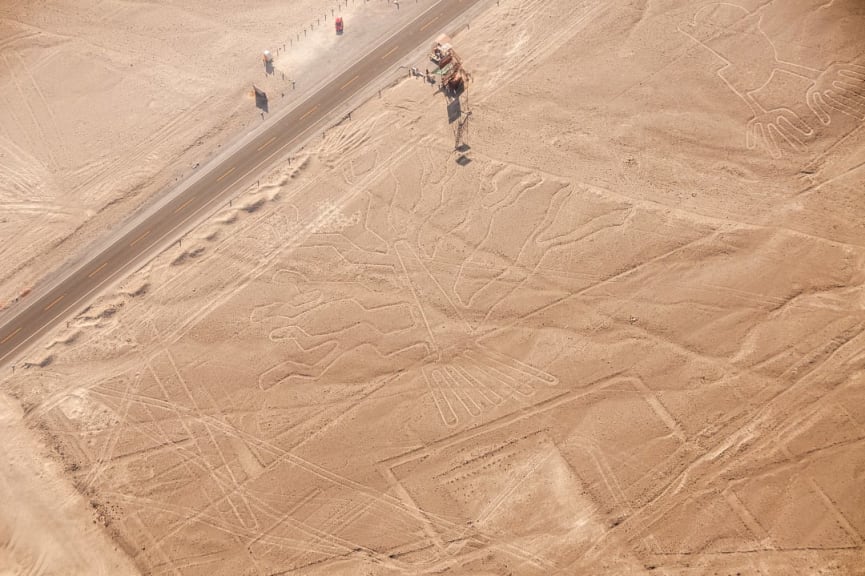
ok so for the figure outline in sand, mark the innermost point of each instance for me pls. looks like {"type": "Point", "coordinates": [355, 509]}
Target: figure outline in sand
{"type": "Point", "coordinates": [735, 36]}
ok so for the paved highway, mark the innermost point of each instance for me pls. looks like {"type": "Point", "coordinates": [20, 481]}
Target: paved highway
{"type": "Point", "coordinates": [139, 244]}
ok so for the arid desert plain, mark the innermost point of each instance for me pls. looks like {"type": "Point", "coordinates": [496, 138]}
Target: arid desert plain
{"type": "Point", "coordinates": [620, 330]}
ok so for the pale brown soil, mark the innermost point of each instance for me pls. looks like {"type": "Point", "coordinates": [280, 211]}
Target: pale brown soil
{"type": "Point", "coordinates": [615, 336]}
{"type": "Point", "coordinates": [104, 105]}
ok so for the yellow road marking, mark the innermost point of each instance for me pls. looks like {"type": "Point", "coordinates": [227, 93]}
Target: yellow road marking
{"type": "Point", "coordinates": [139, 239]}
{"type": "Point", "coordinates": [230, 170]}
{"type": "Point", "coordinates": [266, 144]}
{"type": "Point", "coordinates": [389, 52]}
{"type": "Point", "coordinates": [428, 24]}
{"type": "Point", "coordinates": [343, 87]}
{"type": "Point", "coordinates": [17, 330]}
{"type": "Point", "coordinates": [310, 111]}
{"type": "Point", "coordinates": [185, 204]}
{"type": "Point", "coordinates": [95, 272]}
{"type": "Point", "coordinates": [56, 300]}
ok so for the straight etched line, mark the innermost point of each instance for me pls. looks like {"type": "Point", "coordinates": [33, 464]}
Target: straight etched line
{"type": "Point", "coordinates": [839, 516]}
{"type": "Point", "coordinates": [659, 409]}
{"type": "Point", "coordinates": [747, 518]}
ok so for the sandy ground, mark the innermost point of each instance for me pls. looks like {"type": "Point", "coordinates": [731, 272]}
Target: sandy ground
{"type": "Point", "coordinates": [105, 105]}
{"type": "Point", "coordinates": [45, 524]}
{"type": "Point", "coordinates": [621, 333]}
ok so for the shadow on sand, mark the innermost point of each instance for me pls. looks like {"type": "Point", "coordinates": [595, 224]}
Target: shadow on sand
{"type": "Point", "coordinates": [261, 99]}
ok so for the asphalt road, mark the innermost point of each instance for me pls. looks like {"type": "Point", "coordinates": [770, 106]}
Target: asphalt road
{"type": "Point", "coordinates": [140, 243]}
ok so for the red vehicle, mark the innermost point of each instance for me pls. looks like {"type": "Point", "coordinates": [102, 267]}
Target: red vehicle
{"type": "Point", "coordinates": [339, 25]}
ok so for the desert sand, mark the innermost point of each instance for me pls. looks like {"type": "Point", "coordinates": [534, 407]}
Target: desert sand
{"type": "Point", "coordinates": [106, 105]}
{"type": "Point", "coordinates": [622, 331]}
